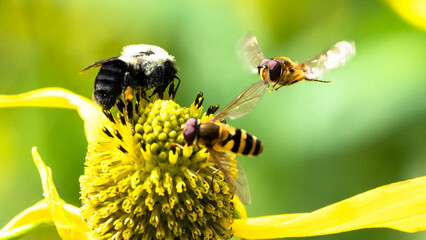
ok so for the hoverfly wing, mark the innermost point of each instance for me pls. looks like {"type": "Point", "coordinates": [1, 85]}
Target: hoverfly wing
{"type": "Point", "coordinates": [98, 64]}
{"type": "Point", "coordinates": [336, 56]}
{"type": "Point", "coordinates": [249, 51]}
{"type": "Point", "coordinates": [244, 103]}
{"type": "Point", "coordinates": [232, 171]}
{"type": "Point", "coordinates": [243, 190]}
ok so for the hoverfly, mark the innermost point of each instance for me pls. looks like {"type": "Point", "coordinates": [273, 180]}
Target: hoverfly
{"type": "Point", "coordinates": [221, 140]}
{"type": "Point", "coordinates": [282, 71]}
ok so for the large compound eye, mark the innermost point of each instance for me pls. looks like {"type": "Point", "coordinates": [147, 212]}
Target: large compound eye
{"type": "Point", "coordinates": [274, 70]}
{"type": "Point", "coordinates": [262, 64]}
{"type": "Point", "coordinates": [190, 131]}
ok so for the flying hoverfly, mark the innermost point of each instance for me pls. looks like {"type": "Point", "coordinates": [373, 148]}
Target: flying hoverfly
{"type": "Point", "coordinates": [221, 140]}
{"type": "Point", "coordinates": [282, 71]}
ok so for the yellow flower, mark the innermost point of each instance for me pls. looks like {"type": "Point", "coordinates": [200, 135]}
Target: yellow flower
{"type": "Point", "coordinates": [138, 185]}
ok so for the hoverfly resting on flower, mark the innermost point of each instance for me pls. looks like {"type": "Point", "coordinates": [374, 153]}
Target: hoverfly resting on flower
{"type": "Point", "coordinates": [221, 140]}
{"type": "Point", "coordinates": [139, 68]}
{"type": "Point", "coordinates": [282, 71]}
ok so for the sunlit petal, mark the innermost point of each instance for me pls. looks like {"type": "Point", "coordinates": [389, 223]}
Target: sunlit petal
{"type": "Point", "coordinates": [67, 220]}
{"type": "Point", "coordinates": [400, 206]}
{"type": "Point", "coordinates": [59, 98]}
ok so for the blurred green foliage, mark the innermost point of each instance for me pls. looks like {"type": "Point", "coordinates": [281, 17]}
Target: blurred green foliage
{"type": "Point", "coordinates": [323, 142]}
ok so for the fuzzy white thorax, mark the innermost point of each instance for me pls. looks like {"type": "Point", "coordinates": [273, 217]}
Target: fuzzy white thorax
{"type": "Point", "coordinates": [132, 55]}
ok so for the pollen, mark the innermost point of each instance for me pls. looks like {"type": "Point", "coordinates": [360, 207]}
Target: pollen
{"type": "Point", "coordinates": [142, 184]}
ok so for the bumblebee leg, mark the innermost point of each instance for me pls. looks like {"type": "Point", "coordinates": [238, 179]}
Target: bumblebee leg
{"type": "Point", "coordinates": [128, 96]}
{"type": "Point", "coordinates": [138, 100]}
{"type": "Point", "coordinates": [128, 90]}
{"type": "Point", "coordinates": [173, 89]}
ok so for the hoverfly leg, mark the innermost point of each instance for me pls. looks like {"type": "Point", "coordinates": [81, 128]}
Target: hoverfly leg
{"type": "Point", "coordinates": [285, 85]}
{"type": "Point", "coordinates": [273, 87]}
{"type": "Point", "coordinates": [213, 174]}
{"type": "Point", "coordinates": [177, 145]}
{"type": "Point", "coordinates": [204, 165]}
{"type": "Point", "coordinates": [279, 87]}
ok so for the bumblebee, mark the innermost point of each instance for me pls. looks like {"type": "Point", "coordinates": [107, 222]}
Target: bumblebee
{"type": "Point", "coordinates": [282, 71]}
{"type": "Point", "coordinates": [221, 140]}
{"type": "Point", "coordinates": [139, 68]}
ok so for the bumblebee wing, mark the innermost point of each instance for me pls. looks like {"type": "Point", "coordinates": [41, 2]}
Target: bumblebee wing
{"type": "Point", "coordinates": [249, 51]}
{"type": "Point", "coordinates": [232, 171]}
{"type": "Point", "coordinates": [244, 103]}
{"type": "Point", "coordinates": [334, 57]}
{"type": "Point", "coordinates": [98, 63]}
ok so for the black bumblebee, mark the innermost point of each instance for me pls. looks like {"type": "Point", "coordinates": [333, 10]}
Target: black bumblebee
{"type": "Point", "coordinates": [139, 68]}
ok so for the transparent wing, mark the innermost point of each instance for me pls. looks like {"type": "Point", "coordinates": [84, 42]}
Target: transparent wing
{"type": "Point", "coordinates": [98, 64]}
{"type": "Point", "coordinates": [243, 190]}
{"type": "Point", "coordinates": [244, 103]}
{"type": "Point", "coordinates": [335, 57]}
{"type": "Point", "coordinates": [249, 51]}
{"type": "Point", "coordinates": [233, 173]}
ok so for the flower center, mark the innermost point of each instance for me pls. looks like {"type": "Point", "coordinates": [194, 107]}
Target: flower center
{"type": "Point", "coordinates": [140, 185]}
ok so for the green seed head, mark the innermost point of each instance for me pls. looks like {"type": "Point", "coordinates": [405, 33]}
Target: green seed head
{"type": "Point", "coordinates": [141, 185]}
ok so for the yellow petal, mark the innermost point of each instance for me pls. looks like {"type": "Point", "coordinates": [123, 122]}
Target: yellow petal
{"type": "Point", "coordinates": [413, 11]}
{"type": "Point", "coordinates": [30, 219]}
{"type": "Point", "coordinates": [36, 216]}
{"type": "Point", "coordinates": [60, 98]}
{"type": "Point", "coordinates": [400, 206]}
{"type": "Point", "coordinates": [240, 210]}
{"type": "Point", "coordinates": [67, 219]}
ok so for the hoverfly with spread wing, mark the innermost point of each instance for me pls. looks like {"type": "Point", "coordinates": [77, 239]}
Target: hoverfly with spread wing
{"type": "Point", "coordinates": [282, 71]}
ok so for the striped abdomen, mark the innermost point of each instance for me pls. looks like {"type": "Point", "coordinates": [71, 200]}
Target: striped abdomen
{"type": "Point", "coordinates": [240, 142]}
{"type": "Point", "coordinates": [224, 138]}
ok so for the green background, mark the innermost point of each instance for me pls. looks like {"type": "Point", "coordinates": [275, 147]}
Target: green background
{"type": "Point", "coordinates": [322, 142]}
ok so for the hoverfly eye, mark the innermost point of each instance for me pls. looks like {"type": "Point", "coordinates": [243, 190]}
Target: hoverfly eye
{"type": "Point", "coordinates": [263, 64]}
{"type": "Point", "coordinates": [190, 131]}
{"type": "Point", "coordinates": [274, 70]}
